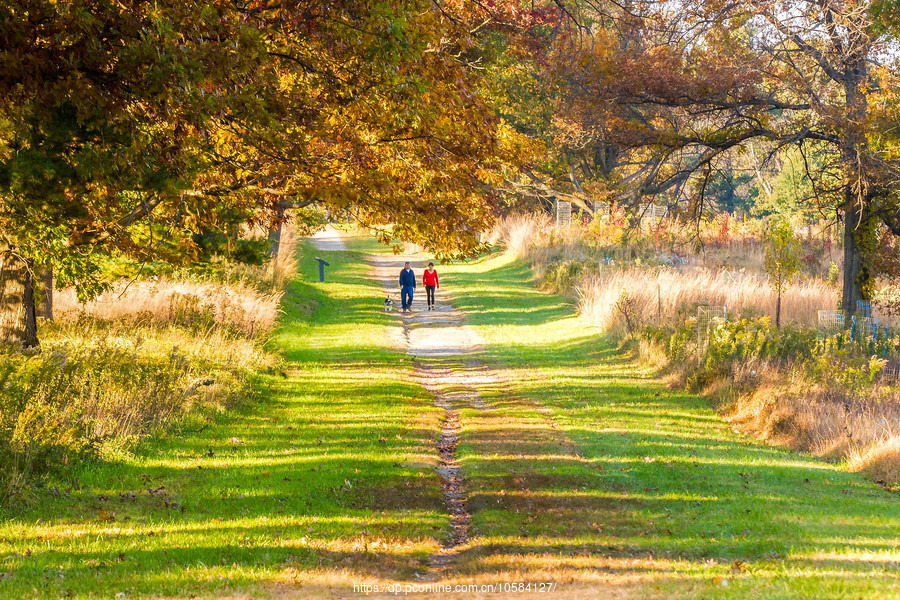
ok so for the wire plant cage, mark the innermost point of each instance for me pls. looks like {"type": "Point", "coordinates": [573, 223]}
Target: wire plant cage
{"type": "Point", "coordinates": [707, 318]}
{"type": "Point", "coordinates": [563, 213]}
{"type": "Point", "coordinates": [832, 320]}
{"type": "Point", "coordinates": [653, 215]}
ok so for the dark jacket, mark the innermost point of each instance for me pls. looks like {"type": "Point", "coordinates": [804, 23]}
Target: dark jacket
{"type": "Point", "coordinates": [407, 278]}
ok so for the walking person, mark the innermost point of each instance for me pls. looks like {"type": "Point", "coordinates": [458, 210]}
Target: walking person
{"type": "Point", "coordinates": [407, 287]}
{"type": "Point", "coordinates": [430, 281]}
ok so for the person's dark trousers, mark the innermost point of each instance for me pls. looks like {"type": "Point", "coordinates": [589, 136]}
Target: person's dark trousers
{"type": "Point", "coordinates": [406, 296]}
{"type": "Point", "coordinates": [429, 292]}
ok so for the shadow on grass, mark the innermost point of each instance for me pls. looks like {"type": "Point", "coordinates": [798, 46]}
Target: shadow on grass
{"type": "Point", "coordinates": [657, 474]}
{"type": "Point", "coordinates": [324, 468]}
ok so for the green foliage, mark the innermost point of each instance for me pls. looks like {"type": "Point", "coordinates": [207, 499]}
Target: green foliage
{"type": "Point", "coordinates": [213, 244]}
{"type": "Point", "coordinates": [793, 196]}
{"type": "Point", "coordinates": [731, 345]}
{"type": "Point", "coordinates": [783, 256]}
{"type": "Point", "coordinates": [886, 16]}
{"type": "Point", "coordinates": [846, 362]}
{"type": "Point", "coordinates": [733, 191]}
{"type": "Point", "coordinates": [98, 385]}
{"type": "Point", "coordinates": [562, 275]}
{"type": "Point", "coordinates": [842, 369]}
{"type": "Point", "coordinates": [678, 341]}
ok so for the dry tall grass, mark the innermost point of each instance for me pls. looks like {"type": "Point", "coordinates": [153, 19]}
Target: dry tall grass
{"type": "Point", "coordinates": [660, 294]}
{"type": "Point", "coordinates": [880, 460]}
{"type": "Point", "coordinates": [811, 418]}
{"type": "Point", "coordinates": [239, 306]}
{"type": "Point", "coordinates": [242, 297]}
{"type": "Point", "coordinates": [520, 234]}
{"type": "Point", "coordinates": [283, 267]}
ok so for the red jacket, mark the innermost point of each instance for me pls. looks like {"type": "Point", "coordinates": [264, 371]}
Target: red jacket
{"type": "Point", "coordinates": [430, 278]}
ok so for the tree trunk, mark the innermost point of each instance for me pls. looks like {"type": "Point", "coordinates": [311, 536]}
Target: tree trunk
{"type": "Point", "coordinates": [853, 259]}
{"type": "Point", "coordinates": [30, 338]}
{"type": "Point", "coordinates": [275, 231]}
{"type": "Point", "coordinates": [47, 293]}
{"type": "Point", "coordinates": [778, 309]}
{"type": "Point", "coordinates": [18, 322]}
{"type": "Point", "coordinates": [858, 244]}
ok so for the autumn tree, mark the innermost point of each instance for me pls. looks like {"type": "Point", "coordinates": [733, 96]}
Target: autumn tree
{"type": "Point", "coordinates": [130, 127]}
{"type": "Point", "coordinates": [671, 88]}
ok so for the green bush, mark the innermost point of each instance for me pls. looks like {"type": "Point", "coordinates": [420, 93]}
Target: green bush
{"type": "Point", "coordinates": [843, 361]}
{"type": "Point", "coordinates": [751, 339]}
{"type": "Point", "coordinates": [562, 275]}
{"type": "Point", "coordinates": [97, 386]}
{"type": "Point", "coordinates": [679, 342]}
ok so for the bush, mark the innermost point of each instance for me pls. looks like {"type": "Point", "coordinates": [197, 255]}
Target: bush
{"type": "Point", "coordinates": [98, 386]}
{"type": "Point", "coordinates": [754, 339]}
{"type": "Point", "coordinates": [562, 276]}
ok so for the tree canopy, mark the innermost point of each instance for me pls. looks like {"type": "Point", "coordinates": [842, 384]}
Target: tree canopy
{"type": "Point", "coordinates": [659, 93]}
{"type": "Point", "coordinates": [131, 126]}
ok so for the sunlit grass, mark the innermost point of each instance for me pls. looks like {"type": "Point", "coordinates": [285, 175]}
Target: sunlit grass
{"type": "Point", "coordinates": [327, 468]}
{"type": "Point", "coordinates": [650, 478]}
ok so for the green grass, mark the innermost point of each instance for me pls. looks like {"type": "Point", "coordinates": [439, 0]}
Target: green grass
{"type": "Point", "coordinates": [324, 469]}
{"type": "Point", "coordinates": [647, 485]}
{"type": "Point", "coordinates": [585, 471]}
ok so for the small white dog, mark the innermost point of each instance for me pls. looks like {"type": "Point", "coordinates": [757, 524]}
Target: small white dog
{"type": "Point", "coordinates": [388, 305]}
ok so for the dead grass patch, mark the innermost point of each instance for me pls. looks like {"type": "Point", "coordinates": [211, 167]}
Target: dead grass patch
{"type": "Point", "coordinates": [880, 460]}
{"type": "Point", "coordinates": [182, 302]}
{"type": "Point", "coordinates": [814, 419]}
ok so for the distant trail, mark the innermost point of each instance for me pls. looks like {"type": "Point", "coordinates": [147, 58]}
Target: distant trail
{"type": "Point", "coordinates": [329, 240]}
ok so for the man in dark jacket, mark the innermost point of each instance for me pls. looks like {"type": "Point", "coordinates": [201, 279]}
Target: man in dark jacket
{"type": "Point", "coordinates": [407, 287]}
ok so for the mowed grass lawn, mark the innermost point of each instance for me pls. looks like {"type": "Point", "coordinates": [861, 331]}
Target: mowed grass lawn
{"type": "Point", "coordinates": [325, 475]}
{"type": "Point", "coordinates": [640, 489]}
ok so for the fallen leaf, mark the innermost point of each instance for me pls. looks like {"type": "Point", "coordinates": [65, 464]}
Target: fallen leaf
{"type": "Point", "coordinates": [738, 566]}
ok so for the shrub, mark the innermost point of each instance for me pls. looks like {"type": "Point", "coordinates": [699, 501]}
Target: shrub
{"type": "Point", "coordinates": [98, 386]}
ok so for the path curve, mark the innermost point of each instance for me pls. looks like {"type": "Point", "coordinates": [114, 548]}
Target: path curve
{"type": "Point", "coordinates": [329, 240]}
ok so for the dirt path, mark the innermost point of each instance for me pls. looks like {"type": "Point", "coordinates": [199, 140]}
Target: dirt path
{"type": "Point", "coordinates": [329, 240]}
{"type": "Point", "coordinates": [438, 340]}
{"type": "Point", "coordinates": [445, 352]}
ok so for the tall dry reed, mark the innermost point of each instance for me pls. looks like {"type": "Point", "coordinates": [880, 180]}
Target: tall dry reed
{"type": "Point", "coordinates": [239, 306]}
{"type": "Point", "coordinates": [659, 295]}
{"type": "Point", "coordinates": [283, 267]}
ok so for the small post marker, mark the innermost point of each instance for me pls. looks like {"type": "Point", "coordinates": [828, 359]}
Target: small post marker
{"type": "Point", "coordinates": [322, 265]}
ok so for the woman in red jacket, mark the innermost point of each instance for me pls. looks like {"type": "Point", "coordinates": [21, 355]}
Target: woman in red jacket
{"type": "Point", "coordinates": [430, 281]}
